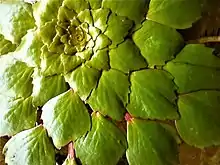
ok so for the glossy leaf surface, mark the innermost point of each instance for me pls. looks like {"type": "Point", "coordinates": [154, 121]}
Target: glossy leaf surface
{"type": "Point", "coordinates": [27, 148]}
{"type": "Point", "coordinates": [65, 118]}
{"type": "Point", "coordinates": [199, 123]}
{"type": "Point", "coordinates": [151, 143]}
{"type": "Point", "coordinates": [105, 141]}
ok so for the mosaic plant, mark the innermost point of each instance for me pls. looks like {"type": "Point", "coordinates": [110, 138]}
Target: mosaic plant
{"type": "Point", "coordinates": [114, 77]}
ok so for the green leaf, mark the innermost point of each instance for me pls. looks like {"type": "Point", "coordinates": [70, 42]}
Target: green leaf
{"type": "Point", "coordinates": [157, 43]}
{"type": "Point", "coordinates": [134, 10]}
{"type": "Point", "coordinates": [189, 78]}
{"type": "Point", "coordinates": [126, 57]}
{"type": "Point", "coordinates": [65, 118]}
{"type": "Point", "coordinates": [15, 19]}
{"type": "Point", "coordinates": [152, 95]}
{"type": "Point", "coordinates": [101, 42]}
{"type": "Point", "coordinates": [71, 62]}
{"type": "Point", "coordinates": [6, 46]}
{"type": "Point", "coordinates": [29, 51]}
{"type": "Point", "coordinates": [111, 94]}
{"type": "Point", "coordinates": [15, 77]}
{"type": "Point", "coordinates": [47, 32]}
{"type": "Point", "coordinates": [16, 115]}
{"type": "Point", "coordinates": [194, 59]}
{"type": "Point", "coordinates": [150, 143]}
{"type": "Point", "coordinates": [100, 60]}
{"type": "Point", "coordinates": [69, 161]}
{"type": "Point", "coordinates": [94, 32]}
{"type": "Point", "coordinates": [199, 124]}
{"type": "Point", "coordinates": [197, 54]}
{"type": "Point", "coordinates": [56, 46]}
{"type": "Point", "coordinates": [51, 63]}
{"type": "Point", "coordinates": [104, 144]}
{"type": "Point", "coordinates": [95, 4]}
{"type": "Point", "coordinates": [45, 88]}
{"type": "Point", "coordinates": [100, 18]}
{"type": "Point", "coordinates": [54, 63]}
{"type": "Point", "coordinates": [46, 10]}
{"type": "Point", "coordinates": [85, 55]}
{"type": "Point", "coordinates": [31, 147]}
{"type": "Point", "coordinates": [173, 12]}
{"type": "Point", "coordinates": [76, 5]}
{"type": "Point", "coordinates": [82, 80]}
{"type": "Point", "coordinates": [65, 14]}
{"type": "Point", "coordinates": [85, 16]}
{"type": "Point", "coordinates": [118, 28]}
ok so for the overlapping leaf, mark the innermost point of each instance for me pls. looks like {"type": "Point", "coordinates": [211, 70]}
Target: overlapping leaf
{"type": "Point", "coordinates": [198, 54]}
{"type": "Point", "coordinates": [137, 7]}
{"type": "Point", "coordinates": [15, 19]}
{"type": "Point", "coordinates": [15, 77]}
{"type": "Point", "coordinates": [89, 42]}
{"type": "Point", "coordinates": [199, 124]}
{"type": "Point", "coordinates": [195, 68]}
{"type": "Point", "coordinates": [111, 94]}
{"type": "Point", "coordinates": [45, 11]}
{"type": "Point", "coordinates": [83, 80]}
{"type": "Point", "coordinates": [100, 18]}
{"type": "Point", "coordinates": [76, 5]}
{"type": "Point", "coordinates": [16, 115]}
{"type": "Point", "coordinates": [151, 143]}
{"type": "Point", "coordinates": [6, 46]}
{"type": "Point", "coordinates": [100, 60]}
{"type": "Point", "coordinates": [104, 144]}
{"type": "Point", "coordinates": [102, 42]}
{"type": "Point", "coordinates": [126, 57]}
{"type": "Point", "coordinates": [173, 12]}
{"type": "Point", "coordinates": [159, 43]}
{"type": "Point", "coordinates": [152, 95]}
{"type": "Point", "coordinates": [29, 50]}
{"type": "Point", "coordinates": [52, 64]}
{"type": "Point", "coordinates": [192, 78]}
{"type": "Point", "coordinates": [45, 88]}
{"type": "Point", "coordinates": [95, 4]}
{"type": "Point", "coordinates": [65, 118]}
{"type": "Point", "coordinates": [32, 147]}
{"type": "Point", "coordinates": [118, 28]}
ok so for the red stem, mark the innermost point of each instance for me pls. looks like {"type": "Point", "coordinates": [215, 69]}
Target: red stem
{"type": "Point", "coordinates": [71, 151]}
{"type": "Point", "coordinates": [128, 117]}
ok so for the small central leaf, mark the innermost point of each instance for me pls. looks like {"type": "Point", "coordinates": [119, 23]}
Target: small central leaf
{"type": "Point", "coordinates": [83, 80]}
